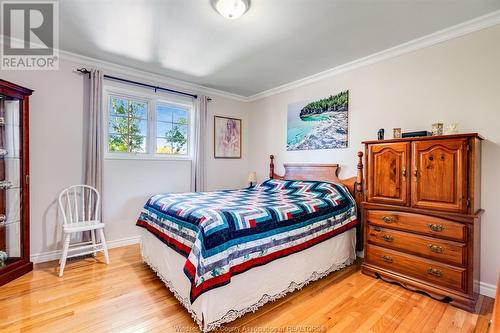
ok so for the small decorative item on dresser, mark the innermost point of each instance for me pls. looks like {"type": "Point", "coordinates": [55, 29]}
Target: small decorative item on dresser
{"type": "Point", "coordinates": [252, 178]}
{"type": "Point", "coordinates": [396, 133]}
{"type": "Point", "coordinates": [380, 134]}
{"type": "Point", "coordinates": [437, 129]}
{"type": "Point", "coordinates": [451, 128]}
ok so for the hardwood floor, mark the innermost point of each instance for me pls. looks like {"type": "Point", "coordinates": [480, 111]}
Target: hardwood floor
{"type": "Point", "coordinates": [126, 296]}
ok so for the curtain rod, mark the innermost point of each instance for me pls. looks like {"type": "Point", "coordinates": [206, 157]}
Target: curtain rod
{"type": "Point", "coordinates": [156, 88]}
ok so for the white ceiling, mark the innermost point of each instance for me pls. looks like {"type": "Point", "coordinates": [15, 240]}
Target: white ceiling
{"type": "Point", "coordinates": [275, 42]}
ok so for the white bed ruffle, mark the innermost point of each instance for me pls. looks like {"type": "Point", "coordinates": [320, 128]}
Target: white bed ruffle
{"type": "Point", "coordinates": [250, 290]}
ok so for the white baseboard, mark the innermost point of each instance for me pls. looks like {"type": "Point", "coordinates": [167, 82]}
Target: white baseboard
{"type": "Point", "coordinates": [487, 289]}
{"type": "Point", "coordinates": [55, 255]}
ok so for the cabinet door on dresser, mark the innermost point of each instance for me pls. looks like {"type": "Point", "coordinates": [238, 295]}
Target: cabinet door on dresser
{"type": "Point", "coordinates": [387, 173]}
{"type": "Point", "coordinates": [439, 174]}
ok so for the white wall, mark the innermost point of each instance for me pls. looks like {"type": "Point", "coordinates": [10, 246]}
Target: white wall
{"type": "Point", "coordinates": [56, 147]}
{"type": "Point", "coordinates": [455, 81]}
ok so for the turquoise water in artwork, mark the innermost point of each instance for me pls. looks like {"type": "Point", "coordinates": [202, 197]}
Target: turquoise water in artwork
{"type": "Point", "coordinates": [298, 128]}
{"type": "Point", "coordinates": [316, 117]}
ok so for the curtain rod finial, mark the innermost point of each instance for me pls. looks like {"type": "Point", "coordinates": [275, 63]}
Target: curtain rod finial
{"type": "Point", "coordinates": [83, 70]}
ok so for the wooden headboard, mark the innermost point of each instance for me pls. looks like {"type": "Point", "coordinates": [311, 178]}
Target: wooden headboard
{"type": "Point", "coordinates": [328, 172]}
{"type": "Point", "coordinates": [322, 172]}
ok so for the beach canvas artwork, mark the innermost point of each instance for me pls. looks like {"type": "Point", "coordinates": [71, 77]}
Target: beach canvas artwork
{"type": "Point", "coordinates": [227, 137]}
{"type": "Point", "coordinates": [321, 124]}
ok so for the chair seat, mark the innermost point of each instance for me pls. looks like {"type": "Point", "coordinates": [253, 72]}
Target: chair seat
{"type": "Point", "coordinates": [83, 226]}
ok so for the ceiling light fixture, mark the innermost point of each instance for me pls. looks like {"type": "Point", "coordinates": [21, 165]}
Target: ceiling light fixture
{"type": "Point", "coordinates": [231, 9]}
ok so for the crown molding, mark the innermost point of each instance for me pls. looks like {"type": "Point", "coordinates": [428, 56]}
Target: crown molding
{"type": "Point", "coordinates": [479, 23]}
{"type": "Point", "coordinates": [146, 75]}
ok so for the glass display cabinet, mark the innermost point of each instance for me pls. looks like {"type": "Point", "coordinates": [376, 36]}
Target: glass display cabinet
{"type": "Point", "coordinates": [14, 182]}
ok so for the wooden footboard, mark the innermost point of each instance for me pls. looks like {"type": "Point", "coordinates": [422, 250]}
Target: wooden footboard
{"type": "Point", "coordinates": [328, 173]}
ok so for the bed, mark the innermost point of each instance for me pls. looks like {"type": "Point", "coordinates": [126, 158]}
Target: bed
{"type": "Point", "coordinates": [225, 253]}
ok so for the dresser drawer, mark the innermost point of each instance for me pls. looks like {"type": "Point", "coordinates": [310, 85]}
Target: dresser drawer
{"type": "Point", "coordinates": [423, 224]}
{"type": "Point", "coordinates": [438, 249]}
{"type": "Point", "coordinates": [423, 269]}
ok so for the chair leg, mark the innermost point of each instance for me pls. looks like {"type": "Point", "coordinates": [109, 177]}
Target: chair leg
{"type": "Point", "coordinates": [64, 255]}
{"type": "Point", "coordinates": [104, 245]}
{"type": "Point", "coordinates": [92, 234]}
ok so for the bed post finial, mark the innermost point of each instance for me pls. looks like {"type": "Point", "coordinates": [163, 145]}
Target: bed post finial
{"type": "Point", "coordinates": [359, 177]}
{"type": "Point", "coordinates": [271, 167]}
{"type": "Point", "coordinates": [359, 196]}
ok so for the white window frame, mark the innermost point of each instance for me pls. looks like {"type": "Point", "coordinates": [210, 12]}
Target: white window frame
{"type": "Point", "coordinates": [152, 101]}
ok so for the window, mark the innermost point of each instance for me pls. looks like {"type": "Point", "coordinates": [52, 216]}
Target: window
{"type": "Point", "coordinates": [145, 126]}
{"type": "Point", "coordinates": [128, 125]}
{"type": "Point", "coordinates": [171, 130]}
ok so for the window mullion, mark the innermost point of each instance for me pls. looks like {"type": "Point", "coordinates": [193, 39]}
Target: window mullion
{"type": "Point", "coordinates": [152, 128]}
{"type": "Point", "coordinates": [129, 126]}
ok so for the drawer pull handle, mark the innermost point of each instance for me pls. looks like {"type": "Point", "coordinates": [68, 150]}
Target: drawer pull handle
{"type": "Point", "coordinates": [436, 227]}
{"type": "Point", "coordinates": [434, 272]}
{"type": "Point", "coordinates": [388, 238]}
{"type": "Point", "coordinates": [388, 219]}
{"type": "Point", "coordinates": [435, 248]}
{"type": "Point", "coordinates": [387, 259]}
{"type": "Point", "coordinates": [404, 172]}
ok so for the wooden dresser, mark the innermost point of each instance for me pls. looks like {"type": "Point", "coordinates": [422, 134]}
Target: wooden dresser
{"type": "Point", "coordinates": [422, 214]}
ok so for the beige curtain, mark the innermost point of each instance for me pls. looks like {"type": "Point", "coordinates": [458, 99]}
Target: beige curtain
{"type": "Point", "coordinates": [200, 136]}
{"type": "Point", "coordinates": [94, 133]}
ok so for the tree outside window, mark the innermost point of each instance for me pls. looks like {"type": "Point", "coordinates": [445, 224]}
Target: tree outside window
{"type": "Point", "coordinates": [127, 125]}
{"type": "Point", "coordinates": [172, 130]}
{"type": "Point", "coordinates": [147, 127]}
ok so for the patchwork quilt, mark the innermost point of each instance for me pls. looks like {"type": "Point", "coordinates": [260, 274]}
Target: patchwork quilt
{"type": "Point", "coordinates": [224, 233]}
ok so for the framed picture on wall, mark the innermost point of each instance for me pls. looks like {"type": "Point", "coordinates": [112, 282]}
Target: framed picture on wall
{"type": "Point", "coordinates": [318, 124]}
{"type": "Point", "coordinates": [227, 137]}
